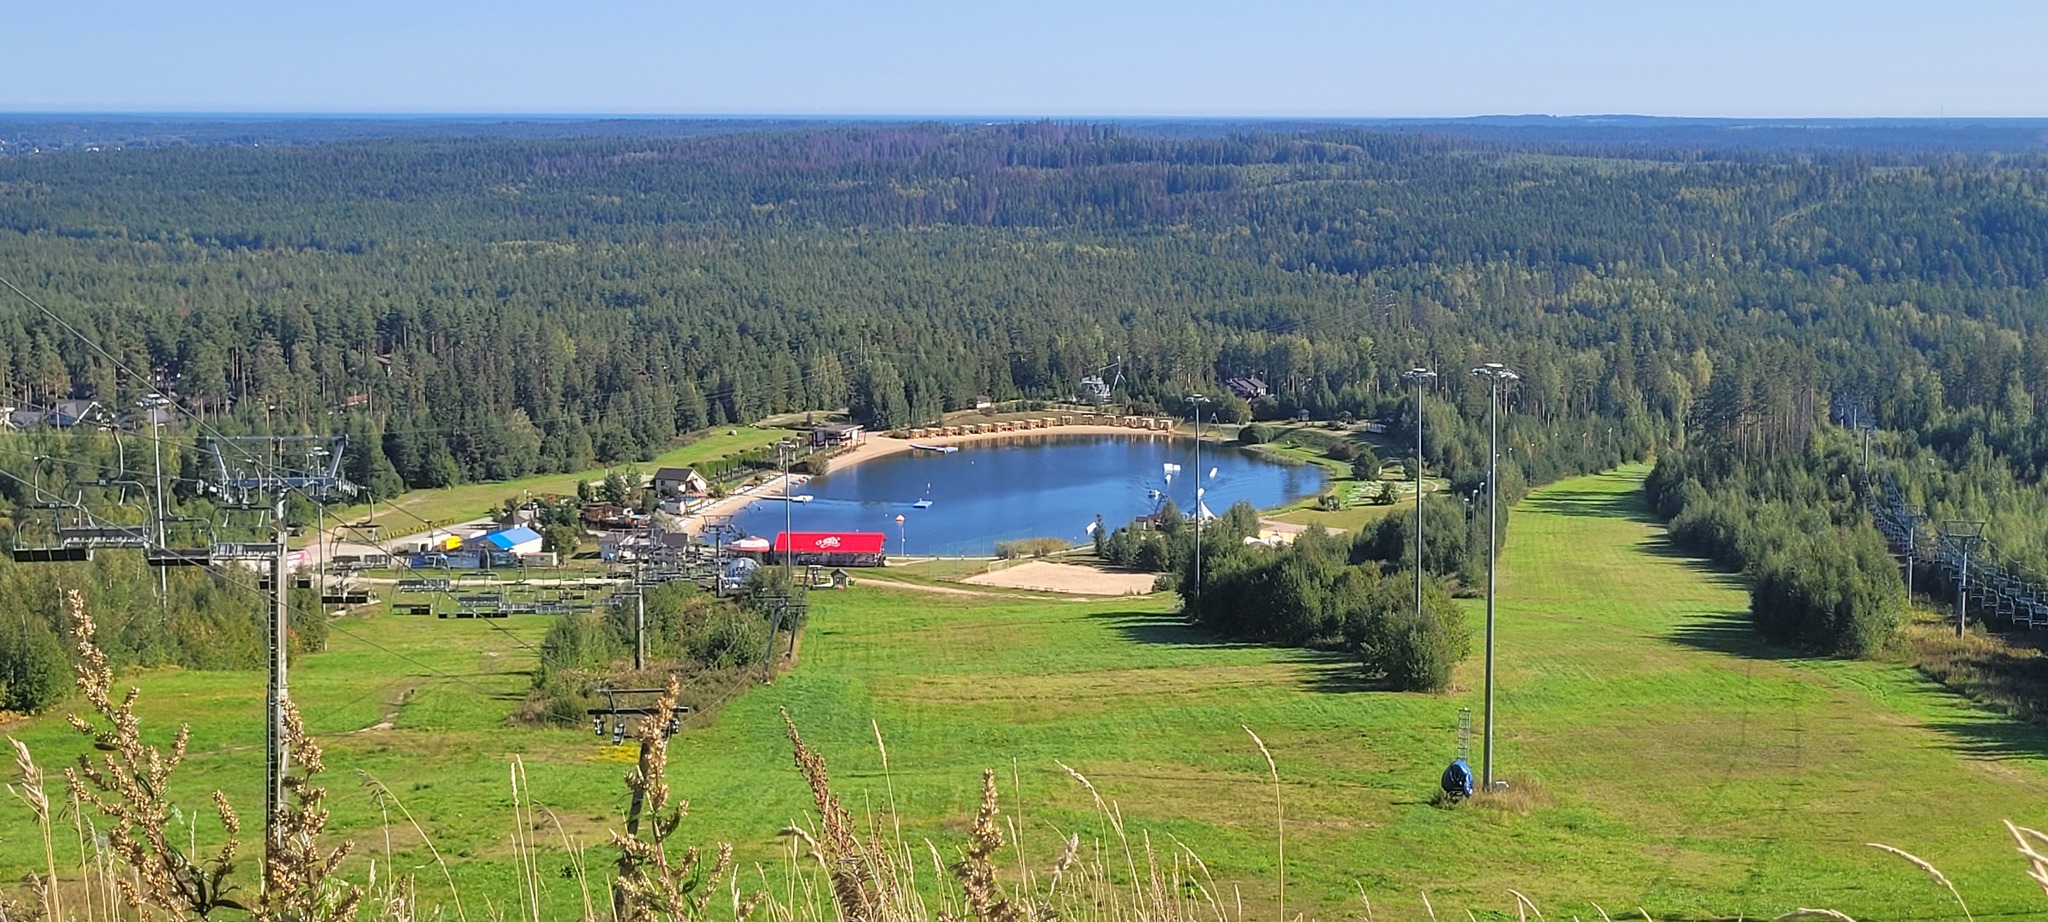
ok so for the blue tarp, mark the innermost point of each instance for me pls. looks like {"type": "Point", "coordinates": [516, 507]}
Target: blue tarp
{"type": "Point", "coordinates": [512, 537]}
{"type": "Point", "coordinates": [1457, 780]}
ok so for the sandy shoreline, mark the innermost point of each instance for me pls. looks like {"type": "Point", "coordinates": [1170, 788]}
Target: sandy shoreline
{"type": "Point", "coordinates": [878, 446]}
{"type": "Point", "coordinates": [881, 446]}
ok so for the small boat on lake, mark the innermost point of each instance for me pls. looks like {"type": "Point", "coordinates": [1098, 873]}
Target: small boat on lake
{"type": "Point", "coordinates": [941, 449]}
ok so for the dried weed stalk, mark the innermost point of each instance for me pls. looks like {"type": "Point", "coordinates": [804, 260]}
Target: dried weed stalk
{"type": "Point", "coordinates": [976, 872]}
{"type": "Point", "coordinates": [130, 785]}
{"type": "Point", "coordinates": [2034, 846]}
{"type": "Point", "coordinates": [651, 887]}
{"type": "Point", "coordinates": [298, 876]}
{"type": "Point", "coordinates": [856, 868]}
{"type": "Point", "coordinates": [33, 795]}
{"type": "Point", "coordinates": [1931, 870]}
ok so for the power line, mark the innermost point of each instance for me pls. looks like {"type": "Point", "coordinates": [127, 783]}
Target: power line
{"type": "Point", "coordinates": [232, 578]}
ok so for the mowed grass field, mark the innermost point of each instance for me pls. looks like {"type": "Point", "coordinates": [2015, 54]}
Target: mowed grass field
{"type": "Point", "coordinates": [1686, 769]}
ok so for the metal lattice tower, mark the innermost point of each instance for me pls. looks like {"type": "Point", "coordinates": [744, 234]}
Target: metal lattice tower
{"type": "Point", "coordinates": [258, 472]}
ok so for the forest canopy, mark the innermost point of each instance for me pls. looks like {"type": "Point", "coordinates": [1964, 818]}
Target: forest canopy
{"type": "Point", "coordinates": [484, 307]}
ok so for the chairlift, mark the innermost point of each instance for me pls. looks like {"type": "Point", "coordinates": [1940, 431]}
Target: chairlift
{"type": "Point", "coordinates": [182, 554]}
{"type": "Point", "coordinates": [52, 549]}
{"type": "Point", "coordinates": [56, 550]}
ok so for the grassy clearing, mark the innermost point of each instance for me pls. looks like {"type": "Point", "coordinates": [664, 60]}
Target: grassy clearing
{"type": "Point", "coordinates": [1350, 518]}
{"type": "Point", "coordinates": [1682, 765]}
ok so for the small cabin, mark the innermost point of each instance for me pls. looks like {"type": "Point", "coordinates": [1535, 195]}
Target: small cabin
{"type": "Point", "coordinates": [679, 481]}
{"type": "Point", "coordinates": [834, 435]}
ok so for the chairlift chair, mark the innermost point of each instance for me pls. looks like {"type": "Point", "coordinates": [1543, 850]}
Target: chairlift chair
{"type": "Point", "coordinates": [53, 549]}
{"type": "Point", "coordinates": [173, 556]}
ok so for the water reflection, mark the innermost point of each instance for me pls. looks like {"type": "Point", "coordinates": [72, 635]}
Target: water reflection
{"type": "Point", "coordinates": [1037, 485]}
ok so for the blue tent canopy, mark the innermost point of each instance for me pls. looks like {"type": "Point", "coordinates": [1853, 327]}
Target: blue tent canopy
{"type": "Point", "coordinates": [512, 537]}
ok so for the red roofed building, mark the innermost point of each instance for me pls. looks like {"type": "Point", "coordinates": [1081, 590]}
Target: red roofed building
{"type": "Point", "coordinates": [831, 548]}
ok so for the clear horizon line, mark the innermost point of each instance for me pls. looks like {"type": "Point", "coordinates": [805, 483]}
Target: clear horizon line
{"type": "Point", "coordinates": [452, 114]}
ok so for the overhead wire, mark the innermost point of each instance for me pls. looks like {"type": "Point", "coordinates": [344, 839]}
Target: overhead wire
{"type": "Point", "coordinates": [252, 459]}
{"type": "Point", "coordinates": [241, 581]}
{"type": "Point", "coordinates": [260, 464]}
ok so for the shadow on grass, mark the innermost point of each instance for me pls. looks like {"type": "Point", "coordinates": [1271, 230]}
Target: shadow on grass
{"type": "Point", "coordinates": [1337, 673]}
{"type": "Point", "coordinates": [1732, 634]}
{"type": "Point", "coordinates": [1728, 632]}
{"type": "Point", "coordinates": [1627, 505]}
{"type": "Point", "coordinates": [1705, 570]}
{"type": "Point", "coordinates": [1994, 738]}
{"type": "Point", "coordinates": [1163, 628]}
{"type": "Point", "coordinates": [1321, 670]}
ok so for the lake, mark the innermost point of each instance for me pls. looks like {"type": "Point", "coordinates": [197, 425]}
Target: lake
{"type": "Point", "coordinates": [1026, 487]}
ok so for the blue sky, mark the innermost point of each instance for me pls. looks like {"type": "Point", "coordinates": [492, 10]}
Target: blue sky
{"type": "Point", "coordinates": [1737, 58]}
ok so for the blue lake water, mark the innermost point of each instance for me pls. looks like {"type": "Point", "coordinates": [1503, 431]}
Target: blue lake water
{"type": "Point", "coordinates": [1026, 487]}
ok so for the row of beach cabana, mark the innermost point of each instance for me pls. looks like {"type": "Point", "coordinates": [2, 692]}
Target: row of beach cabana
{"type": "Point", "coordinates": [1160, 423]}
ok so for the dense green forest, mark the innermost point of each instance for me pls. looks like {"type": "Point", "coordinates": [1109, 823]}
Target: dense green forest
{"type": "Point", "coordinates": [484, 307]}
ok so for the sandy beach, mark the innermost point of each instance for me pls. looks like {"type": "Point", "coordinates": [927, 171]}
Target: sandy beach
{"type": "Point", "coordinates": [693, 520]}
{"type": "Point", "coordinates": [874, 446]}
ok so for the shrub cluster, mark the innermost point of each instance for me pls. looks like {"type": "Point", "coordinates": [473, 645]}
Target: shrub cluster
{"type": "Point", "coordinates": [1820, 576]}
{"type": "Point", "coordinates": [1030, 547]}
{"type": "Point", "coordinates": [1454, 545]}
{"type": "Point", "coordinates": [1309, 594]}
{"type": "Point", "coordinates": [688, 630]}
{"type": "Point", "coordinates": [210, 619]}
{"type": "Point", "coordinates": [1168, 542]}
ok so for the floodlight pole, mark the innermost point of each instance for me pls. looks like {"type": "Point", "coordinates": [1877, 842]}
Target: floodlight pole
{"type": "Point", "coordinates": [1198, 400]}
{"type": "Point", "coordinates": [1416, 376]}
{"type": "Point", "coordinates": [783, 449]}
{"type": "Point", "coordinates": [1495, 373]}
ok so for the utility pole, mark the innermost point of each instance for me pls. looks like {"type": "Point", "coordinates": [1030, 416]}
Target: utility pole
{"type": "Point", "coordinates": [1966, 534]}
{"type": "Point", "coordinates": [783, 450]}
{"type": "Point", "coordinates": [278, 637]}
{"type": "Point", "coordinates": [156, 430]}
{"type": "Point", "coordinates": [1495, 372]}
{"type": "Point", "coordinates": [786, 602]}
{"type": "Point", "coordinates": [1198, 400]}
{"type": "Point", "coordinates": [1416, 376]}
{"type": "Point", "coordinates": [640, 596]}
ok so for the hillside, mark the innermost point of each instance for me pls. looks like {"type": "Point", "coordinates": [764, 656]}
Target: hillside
{"type": "Point", "coordinates": [1685, 767]}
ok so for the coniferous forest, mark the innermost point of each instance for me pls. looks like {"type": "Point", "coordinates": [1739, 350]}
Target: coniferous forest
{"type": "Point", "coordinates": [488, 306]}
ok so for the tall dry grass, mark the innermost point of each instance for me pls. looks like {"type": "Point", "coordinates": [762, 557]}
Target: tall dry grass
{"type": "Point", "coordinates": [839, 867]}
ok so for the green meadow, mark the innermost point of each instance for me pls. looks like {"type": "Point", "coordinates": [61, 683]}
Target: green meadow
{"type": "Point", "coordinates": [1659, 756]}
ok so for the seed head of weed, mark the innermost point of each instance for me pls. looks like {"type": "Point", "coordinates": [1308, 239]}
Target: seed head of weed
{"type": "Point", "coordinates": [852, 864]}
{"type": "Point", "coordinates": [129, 785]}
{"type": "Point", "coordinates": [977, 872]}
{"type": "Point", "coordinates": [652, 887]}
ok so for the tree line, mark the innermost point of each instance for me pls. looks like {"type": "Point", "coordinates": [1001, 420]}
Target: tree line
{"type": "Point", "coordinates": [481, 308]}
